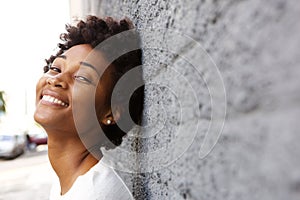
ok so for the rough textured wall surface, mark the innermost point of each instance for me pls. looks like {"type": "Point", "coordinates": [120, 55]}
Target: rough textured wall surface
{"type": "Point", "coordinates": [254, 49]}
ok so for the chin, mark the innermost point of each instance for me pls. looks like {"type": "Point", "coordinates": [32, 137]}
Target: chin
{"type": "Point", "coordinates": [40, 119]}
{"type": "Point", "coordinates": [45, 118]}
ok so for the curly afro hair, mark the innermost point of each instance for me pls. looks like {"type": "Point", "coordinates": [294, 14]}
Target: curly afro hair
{"type": "Point", "coordinates": [93, 31]}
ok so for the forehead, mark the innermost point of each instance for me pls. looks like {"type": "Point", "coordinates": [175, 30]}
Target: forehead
{"type": "Point", "coordinates": [78, 52]}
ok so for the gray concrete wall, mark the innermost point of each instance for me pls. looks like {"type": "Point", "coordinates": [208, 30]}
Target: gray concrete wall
{"type": "Point", "coordinates": [194, 51]}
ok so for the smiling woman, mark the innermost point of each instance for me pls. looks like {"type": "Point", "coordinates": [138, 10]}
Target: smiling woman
{"type": "Point", "coordinates": [81, 74]}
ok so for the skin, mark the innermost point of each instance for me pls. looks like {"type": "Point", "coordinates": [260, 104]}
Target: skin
{"type": "Point", "coordinates": [73, 142]}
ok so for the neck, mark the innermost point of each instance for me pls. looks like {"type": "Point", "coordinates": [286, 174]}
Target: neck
{"type": "Point", "coordinates": [69, 158]}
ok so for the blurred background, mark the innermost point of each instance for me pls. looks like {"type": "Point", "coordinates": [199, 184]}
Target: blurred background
{"type": "Point", "coordinates": [29, 34]}
{"type": "Point", "coordinates": [30, 31]}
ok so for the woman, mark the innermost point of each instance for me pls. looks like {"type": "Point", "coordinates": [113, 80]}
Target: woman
{"type": "Point", "coordinates": [77, 82]}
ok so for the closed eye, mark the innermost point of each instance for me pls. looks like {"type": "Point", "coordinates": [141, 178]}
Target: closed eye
{"type": "Point", "coordinates": [83, 79]}
{"type": "Point", "coordinates": [55, 69]}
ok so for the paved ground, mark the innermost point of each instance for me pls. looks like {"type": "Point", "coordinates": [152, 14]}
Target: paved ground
{"type": "Point", "coordinates": [27, 177]}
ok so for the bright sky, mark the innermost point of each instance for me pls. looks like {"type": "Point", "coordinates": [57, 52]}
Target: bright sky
{"type": "Point", "coordinates": [29, 33]}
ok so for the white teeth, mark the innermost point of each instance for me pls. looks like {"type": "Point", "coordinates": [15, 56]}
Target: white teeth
{"type": "Point", "coordinates": [54, 100]}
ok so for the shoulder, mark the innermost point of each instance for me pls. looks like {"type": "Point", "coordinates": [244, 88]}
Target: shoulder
{"type": "Point", "coordinates": [101, 182]}
{"type": "Point", "coordinates": [108, 184]}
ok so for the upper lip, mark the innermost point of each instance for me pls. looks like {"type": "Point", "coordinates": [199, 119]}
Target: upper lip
{"type": "Point", "coordinates": [55, 95]}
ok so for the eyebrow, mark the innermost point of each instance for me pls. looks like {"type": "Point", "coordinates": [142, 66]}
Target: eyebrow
{"type": "Point", "coordinates": [90, 66]}
{"type": "Point", "coordinates": [62, 56]}
{"type": "Point", "coordinates": [81, 63]}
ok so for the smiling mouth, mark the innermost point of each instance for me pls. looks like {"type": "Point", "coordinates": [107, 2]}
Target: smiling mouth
{"type": "Point", "coordinates": [54, 100]}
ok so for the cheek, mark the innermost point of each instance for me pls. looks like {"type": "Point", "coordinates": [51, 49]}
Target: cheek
{"type": "Point", "coordinates": [83, 109]}
{"type": "Point", "coordinates": [82, 101]}
{"type": "Point", "coordinates": [41, 82]}
{"type": "Point", "coordinates": [101, 102]}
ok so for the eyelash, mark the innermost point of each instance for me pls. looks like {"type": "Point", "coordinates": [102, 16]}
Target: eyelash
{"type": "Point", "coordinates": [82, 78]}
{"type": "Point", "coordinates": [55, 69]}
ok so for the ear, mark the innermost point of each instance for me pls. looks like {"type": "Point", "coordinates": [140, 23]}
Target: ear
{"type": "Point", "coordinates": [112, 116]}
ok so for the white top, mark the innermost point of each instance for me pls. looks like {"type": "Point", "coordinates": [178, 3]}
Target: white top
{"type": "Point", "coordinates": [99, 183]}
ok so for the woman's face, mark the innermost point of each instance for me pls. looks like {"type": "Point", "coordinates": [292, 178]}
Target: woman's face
{"type": "Point", "coordinates": [71, 87]}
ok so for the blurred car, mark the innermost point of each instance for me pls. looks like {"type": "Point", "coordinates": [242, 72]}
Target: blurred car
{"type": "Point", "coordinates": [12, 145]}
{"type": "Point", "coordinates": [36, 138]}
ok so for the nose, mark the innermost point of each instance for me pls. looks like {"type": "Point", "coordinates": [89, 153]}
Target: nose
{"type": "Point", "coordinates": [56, 82]}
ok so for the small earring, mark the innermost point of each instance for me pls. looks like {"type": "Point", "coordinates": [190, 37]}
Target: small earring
{"type": "Point", "coordinates": [108, 121]}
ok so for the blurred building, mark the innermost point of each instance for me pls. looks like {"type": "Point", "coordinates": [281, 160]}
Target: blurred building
{"type": "Point", "coordinates": [79, 8]}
